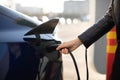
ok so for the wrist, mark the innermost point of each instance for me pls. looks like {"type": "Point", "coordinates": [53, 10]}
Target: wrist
{"type": "Point", "coordinates": [78, 42]}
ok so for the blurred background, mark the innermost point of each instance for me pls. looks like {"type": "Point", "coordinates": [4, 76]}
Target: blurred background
{"type": "Point", "coordinates": [75, 16]}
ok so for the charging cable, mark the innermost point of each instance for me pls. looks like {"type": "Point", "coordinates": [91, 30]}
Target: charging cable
{"type": "Point", "coordinates": [75, 64]}
{"type": "Point", "coordinates": [53, 47]}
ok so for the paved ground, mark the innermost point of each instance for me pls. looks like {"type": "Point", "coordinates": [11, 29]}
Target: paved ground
{"type": "Point", "coordinates": [68, 32]}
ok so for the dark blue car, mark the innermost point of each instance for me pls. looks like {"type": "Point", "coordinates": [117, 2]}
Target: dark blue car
{"type": "Point", "coordinates": [23, 48]}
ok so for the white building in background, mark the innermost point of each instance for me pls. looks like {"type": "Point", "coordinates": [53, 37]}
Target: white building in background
{"type": "Point", "coordinates": [24, 9]}
{"type": "Point", "coordinates": [76, 7]}
{"type": "Point", "coordinates": [29, 10]}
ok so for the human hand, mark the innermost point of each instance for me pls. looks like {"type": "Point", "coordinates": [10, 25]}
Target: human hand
{"type": "Point", "coordinates": [71, 45]}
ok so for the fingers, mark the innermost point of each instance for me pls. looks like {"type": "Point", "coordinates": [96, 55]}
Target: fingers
{"type": "Point", "coordinates": [61, 46]}
{"type": "Point", "coordinates": [64, 51]}
{"type": "Point", "coordinates": [71, 45]}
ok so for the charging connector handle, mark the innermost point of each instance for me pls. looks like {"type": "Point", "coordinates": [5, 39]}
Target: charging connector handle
{"type": "Point", "coordinates": [53, 47]}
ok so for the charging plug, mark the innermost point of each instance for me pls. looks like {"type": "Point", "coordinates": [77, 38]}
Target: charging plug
{"type": "Point", "coordinates": [52, 47]}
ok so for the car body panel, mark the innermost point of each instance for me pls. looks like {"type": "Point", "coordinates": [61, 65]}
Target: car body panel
{"type": "Point", "coordinates": [20, 60]}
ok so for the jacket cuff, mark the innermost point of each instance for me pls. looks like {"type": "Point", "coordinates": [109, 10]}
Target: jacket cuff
{"type": "Point", "coordinates": [84, 40]}
{"type": "Point", "coordinates": [96, 31]}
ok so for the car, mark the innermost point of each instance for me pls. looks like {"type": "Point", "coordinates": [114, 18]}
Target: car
{"type": "Point", "coordinates": [25, 52]}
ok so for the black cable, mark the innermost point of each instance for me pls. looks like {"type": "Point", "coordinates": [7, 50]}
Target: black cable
{"type": "Point", "coordinates": [74, 61]}
{"type": "Point", "coordinates": [87, 78]}
{"type": "Point", "coordinates": [77, 71]}
{"type": "Point", "coordinates": [87, 71]}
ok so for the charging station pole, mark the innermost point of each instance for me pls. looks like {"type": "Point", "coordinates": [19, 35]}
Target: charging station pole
{"type": "Point", "coordinates": [100, 45]}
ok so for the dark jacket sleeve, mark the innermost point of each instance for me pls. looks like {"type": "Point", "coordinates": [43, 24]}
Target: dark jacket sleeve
{"type": "Point", "coordinates": [98, 29]}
